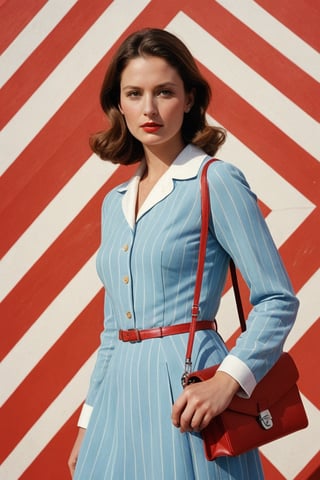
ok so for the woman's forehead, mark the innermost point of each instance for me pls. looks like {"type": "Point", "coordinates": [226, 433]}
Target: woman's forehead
{"type": "Point", "coordinates": [149, 69]}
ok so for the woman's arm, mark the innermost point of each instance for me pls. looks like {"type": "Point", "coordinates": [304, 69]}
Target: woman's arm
{"type": "Point", "coordinates": [75, 451]}
{"type": "Point", "coordinates": [242, 232]}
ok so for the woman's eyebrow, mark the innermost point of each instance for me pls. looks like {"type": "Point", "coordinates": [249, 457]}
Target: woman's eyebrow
{"type": "Point", "coordinates": [161, 85]}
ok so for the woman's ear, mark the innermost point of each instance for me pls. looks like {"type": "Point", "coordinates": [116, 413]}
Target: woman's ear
{"type": "Point", "coordinates": [189, 101]}
{"type": "Point", "coordinates": [120, 109]}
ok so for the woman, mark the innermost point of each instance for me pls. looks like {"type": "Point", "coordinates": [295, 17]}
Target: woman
{"type": "Point", "coordinates": [139, 423]}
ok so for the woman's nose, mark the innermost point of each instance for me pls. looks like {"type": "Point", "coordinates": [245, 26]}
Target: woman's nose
{"type": "Point", "coordinates": [150, 107]}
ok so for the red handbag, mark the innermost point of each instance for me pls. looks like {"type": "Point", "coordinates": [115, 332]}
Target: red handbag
{"type": "Point", "coordinates": [275, 408]}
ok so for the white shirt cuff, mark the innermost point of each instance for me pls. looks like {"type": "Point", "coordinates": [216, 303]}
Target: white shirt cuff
{"type": "Point", "coordinates": [85, 416]}
{"type": "Point", "coordinates": [237, 369]}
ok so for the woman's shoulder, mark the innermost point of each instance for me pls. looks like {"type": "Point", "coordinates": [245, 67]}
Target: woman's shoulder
{"type": "Point", "coordinates": [227, 179]}
{"type": "Point", "coordinates": [115, 194]}
{"type": "Point", "coordinates": [222, 171]}
{"type": "Point", "coordinates": [222, 167]}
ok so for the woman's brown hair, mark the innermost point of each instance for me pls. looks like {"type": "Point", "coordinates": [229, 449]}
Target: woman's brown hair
{"type": "Point", "coordinates": [117, 144]}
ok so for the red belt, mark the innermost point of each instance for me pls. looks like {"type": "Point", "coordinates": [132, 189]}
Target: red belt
{"type": "Point", "coordinates": [134, 335]}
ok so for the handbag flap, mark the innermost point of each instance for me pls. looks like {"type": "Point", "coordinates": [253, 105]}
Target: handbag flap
{"type": "Point", "coordinates": [275, 384]}
{"type": "Point", "coordinates": [272, 387]}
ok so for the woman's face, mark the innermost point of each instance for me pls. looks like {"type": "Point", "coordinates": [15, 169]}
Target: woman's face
{"type": "Point", "coordinates": [153, 101]}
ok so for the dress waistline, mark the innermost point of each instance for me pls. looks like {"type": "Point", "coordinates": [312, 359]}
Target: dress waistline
{"type": "Point", "coordinates": [135, 335]}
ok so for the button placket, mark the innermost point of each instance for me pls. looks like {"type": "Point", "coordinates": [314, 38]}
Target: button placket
{"type": "Point", "coordinates": [126, 278]}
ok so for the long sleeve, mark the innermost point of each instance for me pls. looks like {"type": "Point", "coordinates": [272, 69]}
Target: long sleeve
{"type": "Point", "coordinates": [107, 342]}
{"type": "Point", "coordinates": [242, 232]}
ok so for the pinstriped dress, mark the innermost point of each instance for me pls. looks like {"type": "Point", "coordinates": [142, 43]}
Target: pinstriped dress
{"type": "Point", "coordinates": [148, 267]}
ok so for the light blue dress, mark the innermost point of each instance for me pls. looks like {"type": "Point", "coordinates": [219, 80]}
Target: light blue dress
{"type": "Point", "coordinates": [148, 265]}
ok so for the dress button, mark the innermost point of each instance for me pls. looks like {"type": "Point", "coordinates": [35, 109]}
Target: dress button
{"type": "Point", "coordinates": [126, 279]}
{"type": "Point", "coordinates": [125, 248]}
{"type": "Point", "coordinates": [129, 315]}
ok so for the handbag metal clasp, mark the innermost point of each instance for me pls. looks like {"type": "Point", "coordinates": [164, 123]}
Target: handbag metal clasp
{"type": "Point", "coordinates": [187, 371]}
{"type": "Point", "coordinates": [265, 419]}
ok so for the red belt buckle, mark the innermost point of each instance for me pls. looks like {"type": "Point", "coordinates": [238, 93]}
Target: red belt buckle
{"type": "Point", "coordinates": [137, 333]}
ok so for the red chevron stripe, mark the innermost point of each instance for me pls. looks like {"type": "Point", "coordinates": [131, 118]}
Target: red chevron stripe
{"type": "Point", "coordinates": [277, 145]}
{"type": "Point", "coordinates": [311, 471]}
{"type": "Point", "coordinates": [291, 15]}
{"type": "Point", "coordinates": [48, 55]}
{"type": "Point", "coordinates": [38, 155]}
{"type": "Point", "coordinates": [55, 268]}
{"type": "Point", "coordinates": [54, 455]}
{"type": "Point", "coordinates": [305, 353]}
{"type": "Point", "coordinates": [301, 253]}
{"type": "Point", "coordinates": [270, 471]}
{"type": "Point", "coordinates": [13, 19]}
{"type": "Point", "coordinates": [253, 50]}
{"type": "Point", "coordinates": [26, 202]}
{"type": "Point", "coordinates": [264, 138]}
{"type": "Point", "coordinates": [74, 348]}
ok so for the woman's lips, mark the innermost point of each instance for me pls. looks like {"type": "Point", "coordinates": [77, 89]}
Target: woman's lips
{"type": "Point", "coordinates": [150, 127]}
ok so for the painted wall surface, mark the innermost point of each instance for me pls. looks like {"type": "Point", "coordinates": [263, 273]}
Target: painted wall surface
{"type": "Point", "coordinates": [262, 60]}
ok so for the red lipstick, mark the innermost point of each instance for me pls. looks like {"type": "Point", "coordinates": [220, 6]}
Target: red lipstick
{"type": "Point", "coordinates": [150, 127]}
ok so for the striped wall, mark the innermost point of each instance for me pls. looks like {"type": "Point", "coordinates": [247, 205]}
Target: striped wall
{"type": "Point", "coordinates": [262, 61]}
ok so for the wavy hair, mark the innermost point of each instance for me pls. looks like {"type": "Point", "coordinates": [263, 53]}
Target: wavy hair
{"type": "Point", "coordinates": [117, 144]}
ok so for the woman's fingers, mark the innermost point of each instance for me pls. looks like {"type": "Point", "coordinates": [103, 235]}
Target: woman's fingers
{"type": "Point", "coordinates": [189, 410]}
{"type": "Point", "coordinates": [177, 410]}
{"type": "Point", "coordinates": [199, 403]}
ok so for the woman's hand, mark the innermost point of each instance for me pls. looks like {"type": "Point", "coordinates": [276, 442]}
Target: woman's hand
{"type": "Point", "coordinates": [75, 451]}
{"type": "Point", "coordinates": [200, 402]}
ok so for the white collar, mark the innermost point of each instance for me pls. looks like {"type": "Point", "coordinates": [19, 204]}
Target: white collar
{"type": "Point", "coordinates": [185, 166]}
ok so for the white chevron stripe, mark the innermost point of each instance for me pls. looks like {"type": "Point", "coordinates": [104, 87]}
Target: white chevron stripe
{"type": "Point", "coordinates": [309, 310]}
{"type": "Point", "coordinates": [289, 208]}
{"type": "Point", "coordinates": [37, 111]}
{"type": "Point", "coordinates": [53, 220]}
{"type": "Point", "coordinates": [249, 85]}
{"type": "Point", "coordinates": [31, 37]}
{"type": "Point", "coordinates": [44, 429]}
{"type": "Point", "coordinates": [290, 454]}
{"type": "Point", "coordinates": [51, 324]}
{"type": "Point", "coordinates": [307, 316]}
{"type": "Point", "coordinates": [275, 33]}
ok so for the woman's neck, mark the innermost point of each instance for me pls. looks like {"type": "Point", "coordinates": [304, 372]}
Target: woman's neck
{"type": "Point", "coordinates": [158, 162]}
{"type": "Point", "coordinates": [156, 166]}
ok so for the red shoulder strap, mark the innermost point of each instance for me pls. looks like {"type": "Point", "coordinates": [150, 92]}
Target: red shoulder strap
{"type": "Point", "coordinates": [205, 212]}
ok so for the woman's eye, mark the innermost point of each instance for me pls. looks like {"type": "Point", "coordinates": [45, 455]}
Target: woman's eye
{"type": "Point", "coordinates": [165, 93]}
{"type": "Point", "coordinates": [133, 93]}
